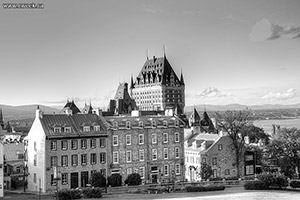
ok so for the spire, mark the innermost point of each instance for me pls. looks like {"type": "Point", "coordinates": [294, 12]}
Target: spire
{"type": "Point", "coordinates": [147, 54]}
{"type": "Point", "coordinates": [131, 83]}
{"type": "Point", "coordinates": [164, 48]}
{"type": "Point", "coordinates": [1, 119]}
{"type": "Point", "coordinates": [181, 78]}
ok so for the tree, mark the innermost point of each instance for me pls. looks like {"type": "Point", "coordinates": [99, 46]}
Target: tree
{"type": "Point", "coordinates": [205, 171]}
{"type": "Point", "coordinates": [98, 180]}
{"type": "Point", "coordinates": [256, 134]}
{"type": "Point", "coordinates": [133, 179]}
{"type": "Point", "coordinates": [285, 151]}
{"type": "Point", "coordinates": [115, 180]}
{"type": "Point", "coordinates": [235, 124]}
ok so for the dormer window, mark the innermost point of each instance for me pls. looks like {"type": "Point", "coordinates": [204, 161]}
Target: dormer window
{"type": "Point", "coordinates": [176, 123]}
{"type": "Point", "coordinates": [96, 128]}
{"type": "Point", "coordinates": [67, 129]}
{"type": "Point", "coordinates": [57, 130]}
{"type": "Point", "coordinates": [115, 125]}
{"type": "Point", "coordinates": [86, 129]}
{"type": "Point", "coordinates": [165, 124]}
{"type": "Point", "coordinates": [153, 124]}
{"type": "Point", "coordinates": [141, 124]}
{"type": "Point", "coordinates": [128, 124]}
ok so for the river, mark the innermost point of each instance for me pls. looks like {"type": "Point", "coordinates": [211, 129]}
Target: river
{"type": "Point", "coordinates": [284, 123]}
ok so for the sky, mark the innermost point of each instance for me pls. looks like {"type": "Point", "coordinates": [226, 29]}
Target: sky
{"type": "Point", "coordinates": [230, 51]}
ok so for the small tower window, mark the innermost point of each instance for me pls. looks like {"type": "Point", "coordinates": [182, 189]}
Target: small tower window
{"type": "Point", "coordinates": [128, 124]}
{"type": "Point", "coordinates": [153, 124]}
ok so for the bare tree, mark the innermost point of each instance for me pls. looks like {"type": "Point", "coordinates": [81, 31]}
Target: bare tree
{"type": "Point", "coordinates": [235, 124]}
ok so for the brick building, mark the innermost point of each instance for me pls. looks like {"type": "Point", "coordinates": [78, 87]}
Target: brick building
{"type": "Point", "coordinates": [149, 145]}
{"type": "Point", "coordinates": [65, 149]}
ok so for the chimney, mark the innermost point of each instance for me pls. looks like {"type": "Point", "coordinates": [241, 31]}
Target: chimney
{"type": "Point", "coordinates": [98, 112]}
{"type": "Point", "coordinates": [38, 113]}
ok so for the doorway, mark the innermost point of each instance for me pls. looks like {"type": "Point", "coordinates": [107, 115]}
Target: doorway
{"type": "Point", "coordinates": [74, 180]}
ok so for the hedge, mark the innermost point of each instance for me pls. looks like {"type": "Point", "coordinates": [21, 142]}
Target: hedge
{"type": "Point", "coordinates": [256, 185]}
{"type": "Point", "coordinates": [204, 188]}
{"type": "Point", "coordinates": [295, 183]}
{"type": "Point", "coordinates": [92, 192]}
{"type": "Point", "coordinates": [66, 194]}
{"type": "Point", "coordinates": [267, 181]}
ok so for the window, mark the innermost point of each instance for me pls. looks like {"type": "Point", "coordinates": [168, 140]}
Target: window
{"type": "Point", "coordinates": [64, 161]}
{"type": "Point", "coordinates": [141, 138]}
{"type": "Point", "coordinates": [128, 124]}
{"type": "Point", "coordinates": [214, 161]}
{"type": "Point", "coordinates": [83, 144]}
{"type": "Point", "coordinates": [34, 146]}
{"type": "Point", "coordinates": [102, 157]}
{"type": "Point", "coordinates": [128, 139]}
{"type": "Point", "coordinates": [86, 129]}
{"type": "Point", "coordinates": [57, 130]}
{"type": "Point", "coordinates": [103, 172]}
{"type": "Point", "coordinates": [165, 137]}
{"type": "Point", "coordinates": [214, 173]}
{"type": "Point", "coordinates": [53, 145]}
{"type": "Point", "coordinates": [64, 145]}
{"type": "Point", "coordinates": [141, 155]}
{"type": "Point", "coordinates": [153, 124]}
{"type": "Point", "coordinates": [176, 123]}
{"type": "Point", "coordinates": [220, 147]}
{"type": "Point", "coordinates": [128, 156]}
{"type": "Point", "coordinates": [35, 160]}
{"type": "Point", "coordinates": [165, 124]}
{"type": "Point", "coordinates": [93, 158]}
{"type": "Point", "coordinates": [177, 154]}
{"type": "Point", "coordinates": [154, 154]}
{"type": "Point", "coordinates": [83, 159]}
{"type": "Point", "coordinates": [142, 172]}
{"type": "Point", "coordinates": [115, 125]}
{"type": "Point", "coordinates": [102, 142]}
{"type": "Point", "coordinates": [68, 129]}
{"type": "Point", "coordinates": [53, 161]}
{"type": "Point", "coordinates": [176, 137]}
{"type": "Point", "coordinates": [53, 181]}
{"type": "Point", "coordinates": [166, 153]}
{"type": "Point", "coordinates": [129, 171]}
{"type": "Point", "coordinates": [177, 169]}
{"type": "Point", "coordinates": [154, 138]}
{"type": "Point", "coordinates": [141, 124]}
{"type": "Point", "coordinates": [64, 178]}
{"type": "Point", "coordinates": [93, 143]}
{"type": "Point", "coordinates": [96, 128]}
{"type": "Point", "coordinates": [115, 157]}
{"type": "Point", "coordinates": [93, 172]}
{"type": "Point", "coordinates": [166, 170]}
{"type": "Point", "coordinates": [20, 156]}
{"type": "Point", "coordinates": [227, 171]}
{"type": "Point", "coordinates": [74, 144]}
{"type": "Point", "coordinates": [115, 140]}
{"type": "Point", "coordinates": [74, 160]}
{"type": "Point", "coordinates": [203, 160]}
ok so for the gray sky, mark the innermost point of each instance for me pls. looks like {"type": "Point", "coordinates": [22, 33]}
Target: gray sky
{"type": "Point", "coordinates": [230, 51]}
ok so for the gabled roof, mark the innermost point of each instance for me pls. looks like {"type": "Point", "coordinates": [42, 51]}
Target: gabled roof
{"type": "Point", "coordinates": [70, 105]}
{"type": "Point", "coordinates": [158, 70]}
{"type": "Point", "coordinates": [88, 109]}
{"type": "Point", "coordinates": [75, 122]}
{"type": "Point", "coordinates": [195, 118]}
{"type": "Point", "coordinates": [11, 151]}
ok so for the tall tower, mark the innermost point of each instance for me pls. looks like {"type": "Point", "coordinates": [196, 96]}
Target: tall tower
{"type": "Point", "coordinates": [157, 86]}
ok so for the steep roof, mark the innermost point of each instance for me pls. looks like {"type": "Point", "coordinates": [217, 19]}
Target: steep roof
{"type": "Point", "coordinates": [122, 91]}
{"type": "Point", "coordinates": [72, 106]}
{"type": "Point", "coordinates": [88, 109]}
{"type": "Point", "coordinates": [157, 70]}
{"type": "Point", "coordinates": [195, 118]}
{"type": "Point", "coordinates": [11, 151]}
{"type": "Point", "coordinates": [75, 122]}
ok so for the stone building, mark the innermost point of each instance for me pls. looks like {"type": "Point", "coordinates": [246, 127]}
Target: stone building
{"type": "Point", "coordinates": [65, 149]}
{"type": "Point", "coordinates": [149, 145]}
{"type": "Point", "coordinates": [157, 86]}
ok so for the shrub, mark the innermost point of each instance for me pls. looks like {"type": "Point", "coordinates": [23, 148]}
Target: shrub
{"type": "Point", "coordinates": [115, 180]}
{"type": "Point", "coordinates": [133, 179]}
{"type": "Point", "coordinates": [66, 194]}
{"type": "Point", "coordinates": [295, 183]}
{"type": "Point", "coordinates": [98, 180]}
{"type": "Point", "coordinates": [255, 185]}
{"type": "Point", "coordinates": [268, 179]}
{"type": "Point", "coordinates": [92, 192]}
{"type": "Point", "coordinates": [204, 188]}
{"type": "Point", "coordinates": [280, 181]}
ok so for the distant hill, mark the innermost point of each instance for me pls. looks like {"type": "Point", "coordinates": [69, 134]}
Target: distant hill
{"type": "Point", "coordinates": [24, 112]}
{"type": "Point", "coordinates": [240, 107]}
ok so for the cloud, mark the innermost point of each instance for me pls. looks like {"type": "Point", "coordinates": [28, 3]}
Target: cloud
{"type": "Point", "coordinates": [265, 30]}
{"type": "Point", "coordinates": [232, 18]}
{"type": "Point", "coordinates": [212, 92]}
{"type": "Point", "coordinates": [154, 10]}
{"type": "Point", "coordinates": [191, 12]}
{"type": "Point", "coordinates": [288, 94]}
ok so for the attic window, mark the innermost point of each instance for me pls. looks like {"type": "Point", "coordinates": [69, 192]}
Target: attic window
{"type": "Point", "coordinates": [67, 129]}
{"type": "Point", "coordinates": [57, 130]}
{"type": "Point", "coordinates": [141, 124]}
{"type": "Point", "coordinates": [96, 128]}
{"type": "Point", "coordinates": [153, 124]}
{"type": "Point", "coordinates": [128, 124]}
{"type": "Point", "coordinates": [165, 124]}
{"type": "Point", "coordinates": [86, 129]}
{"type": "Point", "coordinates": [176, 123]}
{"type": "Point", "coordinates": [115, 125]}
